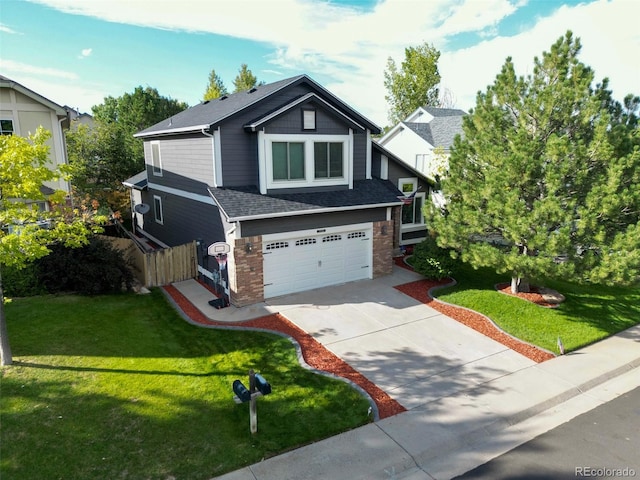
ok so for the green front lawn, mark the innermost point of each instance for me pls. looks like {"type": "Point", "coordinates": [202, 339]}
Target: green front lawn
{"type": "Point", "coordinates": [121, 387]}
{"type": "Point", "coordinates": [590, 312]}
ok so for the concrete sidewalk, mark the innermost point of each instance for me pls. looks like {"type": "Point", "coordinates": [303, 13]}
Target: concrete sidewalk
{"type": "Point", "coordinates": [454, 434]}
{"type": "Point", "coordinates": [447, 431]}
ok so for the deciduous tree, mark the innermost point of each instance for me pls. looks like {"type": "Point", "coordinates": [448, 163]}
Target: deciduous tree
{"type": "Point", "coordinates": [415, 84]}
{"type": "Point", "coordinates": [546, 180]}
{"type": "Point", "coordinates": [106, 153]}
{"type": "Point", "coordinates": [26, 231]}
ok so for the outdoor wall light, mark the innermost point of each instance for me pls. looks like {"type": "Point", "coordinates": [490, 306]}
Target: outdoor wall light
{"type": "Point", "coordinates": [383, 230]}
{"type": "Point", "coordinates": [248, 247]}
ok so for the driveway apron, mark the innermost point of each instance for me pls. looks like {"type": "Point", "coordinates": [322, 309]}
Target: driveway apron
{"type": "Point", "coordinates": [413, 352]}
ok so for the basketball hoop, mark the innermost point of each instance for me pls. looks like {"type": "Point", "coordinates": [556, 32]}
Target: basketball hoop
{"type": "Point", "coordinates": [222, 261]}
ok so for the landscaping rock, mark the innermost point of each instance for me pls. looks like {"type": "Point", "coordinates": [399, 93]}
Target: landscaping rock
{"type": "Point", "coordinates": [551, 296]}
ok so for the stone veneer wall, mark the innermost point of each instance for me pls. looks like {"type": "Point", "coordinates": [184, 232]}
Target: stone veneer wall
{"type": "Point", "coordinates": [248, 285]}
{"type": "Point", "coordinates": [383, 235]}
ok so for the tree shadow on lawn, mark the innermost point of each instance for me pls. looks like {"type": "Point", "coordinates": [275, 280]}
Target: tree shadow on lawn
{"type": "Point", "coordinates": [601, 308]}
{"type": "Point", "coordinates": [67, 428]}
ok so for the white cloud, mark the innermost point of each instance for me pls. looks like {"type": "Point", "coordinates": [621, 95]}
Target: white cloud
{"type": "Point", "coordinates": [6, 29]}
{"type": "Point", "coordinates": [351, 45]}
{"type": "Point", "coordinates": [11, 68]}
{"type": "Point", "coordinates": [610, 42]}
{"type": "Point", "coordinates": [86, 52]}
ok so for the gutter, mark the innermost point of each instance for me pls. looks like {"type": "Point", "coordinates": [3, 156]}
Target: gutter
{"type": "Point", "coordinates": [312, 211]}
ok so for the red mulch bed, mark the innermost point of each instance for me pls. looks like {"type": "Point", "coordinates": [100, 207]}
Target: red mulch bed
{"type": "Point", "coordinates": [313, 352]}
{"type": "Point", "coordinates": [533, 296]}
{"type": "Point", "coordinates": [420, 291]}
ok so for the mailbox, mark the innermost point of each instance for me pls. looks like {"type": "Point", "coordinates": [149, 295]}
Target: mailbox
{"type": "Point", "coordinates": [241, 391]}
{"type": "Point", "coordinates": [262, 385]}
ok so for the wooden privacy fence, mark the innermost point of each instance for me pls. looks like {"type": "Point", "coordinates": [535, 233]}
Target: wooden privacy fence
{"type": "Point", "coordinates": [160, 267]}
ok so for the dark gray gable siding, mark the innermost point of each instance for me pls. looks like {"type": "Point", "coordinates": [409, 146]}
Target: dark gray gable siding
{"type": "Point", "coordinates": [184, 220]}
{"type": "Point", "coordinates": [327, 123]}
{"type": "Point", "coordinates": [359, 156]}
{"type": "Point", "coordinates": [240, 148]}
{"type": "Point", "coordinates": [308, 222]}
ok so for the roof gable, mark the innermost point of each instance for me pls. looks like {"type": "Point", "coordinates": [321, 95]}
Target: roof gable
{"type": "Point", "coordinates": [209, 113]}
{"type": "Point", "coordinates": [6, 82]}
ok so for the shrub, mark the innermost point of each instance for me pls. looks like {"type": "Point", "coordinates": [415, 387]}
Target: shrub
{"type": "Point", "coordinates": [21, 282]}
{"type": "Point", "coordinates": [95, 268]}
{"type": "Point", "coordinates": [432, 261]}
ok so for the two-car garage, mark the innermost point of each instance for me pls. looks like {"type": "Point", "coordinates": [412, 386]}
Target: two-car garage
{"type": "Point", "coordinates": [303, 260]}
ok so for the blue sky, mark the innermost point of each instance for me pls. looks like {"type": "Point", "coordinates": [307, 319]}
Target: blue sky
{"type": "Point", "coordinates": [76, 52]}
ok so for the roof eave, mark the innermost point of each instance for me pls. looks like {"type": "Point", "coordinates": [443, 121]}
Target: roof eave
{"type": "Point", "coordinates": [312, 211]}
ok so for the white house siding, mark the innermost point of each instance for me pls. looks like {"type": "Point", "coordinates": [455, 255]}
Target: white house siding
{"type": "Point", "coordinates": [27, 115]}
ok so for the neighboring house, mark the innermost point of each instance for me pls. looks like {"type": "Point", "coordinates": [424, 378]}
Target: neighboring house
{"type": "Point", "coordinates": [424, 138]}
{"type": "Point", "coordinates": [77, 117]}
{"type": "Point", "coordinates": [283, 174]}
{"type": "Point", "coordinates": [22, 111]}
{"type": "Point", "coordinates": [414, 185]}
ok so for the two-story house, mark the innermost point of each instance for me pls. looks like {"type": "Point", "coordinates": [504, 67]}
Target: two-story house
{"type": "Point", "coordinates": [22, 111]}
{"type": "Point", "coordinates": [424, 138]}
{"type": "Point", "coordinates": [284, 175]}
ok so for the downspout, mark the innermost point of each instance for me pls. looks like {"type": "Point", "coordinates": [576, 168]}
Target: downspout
{"type": "Point", "coordinates": [64, 149]}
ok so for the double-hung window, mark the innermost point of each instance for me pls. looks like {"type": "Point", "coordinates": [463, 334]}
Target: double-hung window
{"type": "Point", "coordinates": [6, 126]}
{"type": "Point", "coordinates": [288, 160]}
{"type": "Point", "coordinates": [328, 159]}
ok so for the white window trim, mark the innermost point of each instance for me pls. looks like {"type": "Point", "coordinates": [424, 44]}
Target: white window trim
{"type": "Point", "coordinates": [13, 125]}
{"type": "Point", "coordinates": [157, 201]}
{"type": "Point", "coordinates": [266, 160]}
{"type": "Point", "coordinates": [157, 173]}
{"type": "Point", "coordinates": [407, 227]}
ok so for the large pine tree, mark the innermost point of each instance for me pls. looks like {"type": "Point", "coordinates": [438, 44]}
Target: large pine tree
{"type": "Point", "coordinates": [539, 186]}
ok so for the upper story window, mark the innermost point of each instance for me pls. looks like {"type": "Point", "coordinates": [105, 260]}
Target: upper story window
{"type": "Point", "coordinates": [293, 161]}
{"type": "Point", "coordinates": [288, 160]}
{"type": "Point", "coordinates": [156, 161]}
{"type": "Point", "coordinates": [6, 127]}
{"type": "Point", "coordinates": [308, 119]}
{"type": "Point", "coordinates": [328, 159]}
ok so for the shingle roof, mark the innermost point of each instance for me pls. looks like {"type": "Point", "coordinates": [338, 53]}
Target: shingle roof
{"type": "Point", "coordinates": [244, 203]}
{"type": "Point", "coordinates": [441, 131]}
{"type": "Point", "coordinates": [211, 112]}
{"type": "Point", "coordinates": [444, 112]}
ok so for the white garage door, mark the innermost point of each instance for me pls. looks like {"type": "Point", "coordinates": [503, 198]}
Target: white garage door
{"type": "Point", "coordinates": [316, 258]}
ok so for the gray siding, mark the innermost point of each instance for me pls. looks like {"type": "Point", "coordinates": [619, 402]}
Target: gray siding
{"type": "Point", "coordinates": [327, 123]}
{"type": "Point", "coordinates": [188, 157]}
{"type": "Point", "coordinates": [307, 222]}
{"type": "Point", "coordinates": [359, 156]}
{"type": "Point", "coordinates": [184, 220]}
{"type": "Point", "coordinates": [240, 148]}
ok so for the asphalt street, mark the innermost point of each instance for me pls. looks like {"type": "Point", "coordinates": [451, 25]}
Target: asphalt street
{"type": "Point", "coordinates": [602, 443]}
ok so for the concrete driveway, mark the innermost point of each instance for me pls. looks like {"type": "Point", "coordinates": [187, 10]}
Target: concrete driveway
{"type": "Point", "coordinates": [408, 349]}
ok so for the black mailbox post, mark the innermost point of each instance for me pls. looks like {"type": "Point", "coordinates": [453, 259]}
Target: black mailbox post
{"type": "Point", "coordinates": [258, 387]}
